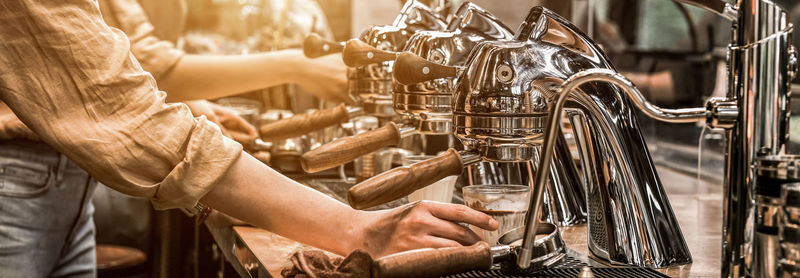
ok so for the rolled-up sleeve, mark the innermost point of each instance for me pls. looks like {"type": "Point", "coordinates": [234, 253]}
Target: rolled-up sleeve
{"type": "Point", "coordinates": [73, 80]}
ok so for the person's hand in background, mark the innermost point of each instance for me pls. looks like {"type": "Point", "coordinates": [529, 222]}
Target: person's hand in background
{"type": "Point", "coordinates": [238, 128]}
{"type": "Point", "coordinates": [231, 124]}
{"type": "Point", "coordinates": [325, 77]}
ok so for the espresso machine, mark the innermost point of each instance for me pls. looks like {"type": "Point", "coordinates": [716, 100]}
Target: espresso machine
{"type": "Point", "coordinates": [423, 107]}
{"type": "Point", "coordinates": [369, 85]}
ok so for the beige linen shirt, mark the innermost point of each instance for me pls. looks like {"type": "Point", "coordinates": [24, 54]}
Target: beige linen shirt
{"type": "Point", "coordinates": [73, 80]}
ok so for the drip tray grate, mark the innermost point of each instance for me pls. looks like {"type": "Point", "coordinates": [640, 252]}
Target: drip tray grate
{"type": "Point", "coordinates": [599, 272]}
{"type": "Point", "coordinates": [571, 267]}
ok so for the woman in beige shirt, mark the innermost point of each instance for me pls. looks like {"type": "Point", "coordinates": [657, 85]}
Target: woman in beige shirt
{"type": "Point", "coordinates": [72, 80]}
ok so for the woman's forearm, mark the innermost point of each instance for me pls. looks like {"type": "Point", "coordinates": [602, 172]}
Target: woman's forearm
{"type": "Point", "coordinates": [214, 76]}
{"type": "Point", "coordinates": [258, 195]}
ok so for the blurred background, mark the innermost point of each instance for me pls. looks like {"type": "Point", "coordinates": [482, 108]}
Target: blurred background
{"type": "Point", "coordinates": [675, 53]}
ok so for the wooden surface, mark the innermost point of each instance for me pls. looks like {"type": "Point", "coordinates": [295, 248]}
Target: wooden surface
{"type": "Point", "coordinates": [346, 149]}
{"type": "Point", "coordinates": [411, 69]}
{"type": "Point", "coordinates": [357, 53]}
{"type": "Point", "coordinates": [111, 257]}
{"type": "Point", "coordinates": [697, 205]}
{"type": "Point", "coordinates": [304, 123]}
{"type": "Point", "coordinates": [402, 181]}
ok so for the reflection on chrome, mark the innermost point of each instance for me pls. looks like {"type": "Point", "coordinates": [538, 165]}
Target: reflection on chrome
{"type": "Point", "coordinates": [501, 106]}
{"type": "Point", "coordinates": [761, 65]}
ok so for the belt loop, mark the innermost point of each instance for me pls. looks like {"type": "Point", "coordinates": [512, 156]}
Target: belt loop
{"type": "Point", "coordinates": [62, 165]}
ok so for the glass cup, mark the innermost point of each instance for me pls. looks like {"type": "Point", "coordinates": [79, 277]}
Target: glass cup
{"type": "Point", "coordinates": [507, 204]}
{"type": "Point", "coordinates": [439, 191]}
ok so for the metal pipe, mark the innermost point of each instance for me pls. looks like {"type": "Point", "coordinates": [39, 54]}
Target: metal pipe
{"type": "Point", "coordinates": [567, 87]}
{"type": "Point", "coordinates": [721, 8]}
{"type": "Point", "coordinates": [683, 115]}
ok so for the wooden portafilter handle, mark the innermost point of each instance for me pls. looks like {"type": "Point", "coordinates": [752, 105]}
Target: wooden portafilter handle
{"type": "Point", "coordinates": [401, 181]}
{"type": "Point", "coordinates": [304, 123]}
{"type": "Point", "coordinates": [431, 262]}
{"type": "Point", "coordinates": [315, 46]}
{"type": "Point", "coordinates": [357, 53]}
{"type": "Point", "coordinates": [346, 149]}
{"type": "Point", "coordinates": [410, 68]}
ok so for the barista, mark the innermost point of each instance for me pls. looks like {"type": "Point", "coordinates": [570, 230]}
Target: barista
{"type": "Point", "coordinates": [32, 211]}
{"type": "Point", "coordinates": [71, 79]}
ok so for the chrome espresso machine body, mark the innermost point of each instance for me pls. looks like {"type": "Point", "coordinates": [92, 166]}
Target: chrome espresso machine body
{"type": "Point", "coordinates": [371, 84]}
{"type": "Point", "coordinates": [502, 104]}
{"type": "Point", "coordinates": [432, 99]}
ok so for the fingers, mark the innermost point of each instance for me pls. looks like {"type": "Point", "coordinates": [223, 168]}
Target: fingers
{"type": "Point", "coordinates": [233, 122]}
{"type": "Point", "coordinates": [455, 232]}
{"type": "Point", "coordinates": [248, 142]}
{"type": "Point", "coordinates": [438, 242]}
{"type": "Point", "coordinates": [462, 214]}
{"type": "Point", "coordinates": [239, 124]}
{"type": "Point", "coordinates": [222, 128]}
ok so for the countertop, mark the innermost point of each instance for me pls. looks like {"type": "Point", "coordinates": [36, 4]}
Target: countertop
{"type": "Point", "coordinates": [697, 204]}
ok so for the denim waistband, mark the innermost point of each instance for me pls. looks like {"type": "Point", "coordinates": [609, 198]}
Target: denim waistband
{"type": "Point", "coordinates": [35, 151]}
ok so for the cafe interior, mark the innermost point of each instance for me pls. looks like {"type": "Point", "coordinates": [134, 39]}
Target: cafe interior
{"type": "Point", "coordinates": [385, 138]}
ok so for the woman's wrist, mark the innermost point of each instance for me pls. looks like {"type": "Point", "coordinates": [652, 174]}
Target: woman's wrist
{"type": "Point", "coordinates": [358, 230]}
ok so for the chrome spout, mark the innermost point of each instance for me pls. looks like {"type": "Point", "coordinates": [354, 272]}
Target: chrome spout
{"type": "Point", "coordinates": [565, 201]}
{"type": "Point", "coordinates": [630, 218]}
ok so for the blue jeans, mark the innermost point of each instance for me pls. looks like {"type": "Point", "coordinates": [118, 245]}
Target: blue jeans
{"type": "Point", "coordinates": [46, 227]}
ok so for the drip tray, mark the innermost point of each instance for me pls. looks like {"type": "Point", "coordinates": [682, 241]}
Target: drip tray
{"type": "Point", "coordinates": [571, 267]}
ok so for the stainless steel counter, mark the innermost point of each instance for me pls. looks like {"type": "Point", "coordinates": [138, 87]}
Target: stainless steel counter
{"type": "Point", "coordinates": [697, 205]}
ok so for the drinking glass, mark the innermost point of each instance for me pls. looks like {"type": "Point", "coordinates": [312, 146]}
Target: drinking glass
{"type": "Point", "coordinates": [507, 204]}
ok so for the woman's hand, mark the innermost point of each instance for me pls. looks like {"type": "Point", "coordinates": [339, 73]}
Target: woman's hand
{"type": "Point", "coordinates": [325, 77]}
{"type": "Point", "coordinates": [238, 128]}
{"type": "Point", "coordinates": [229, 122]}
{"type": "Point", "coordinates": [419, 225]}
